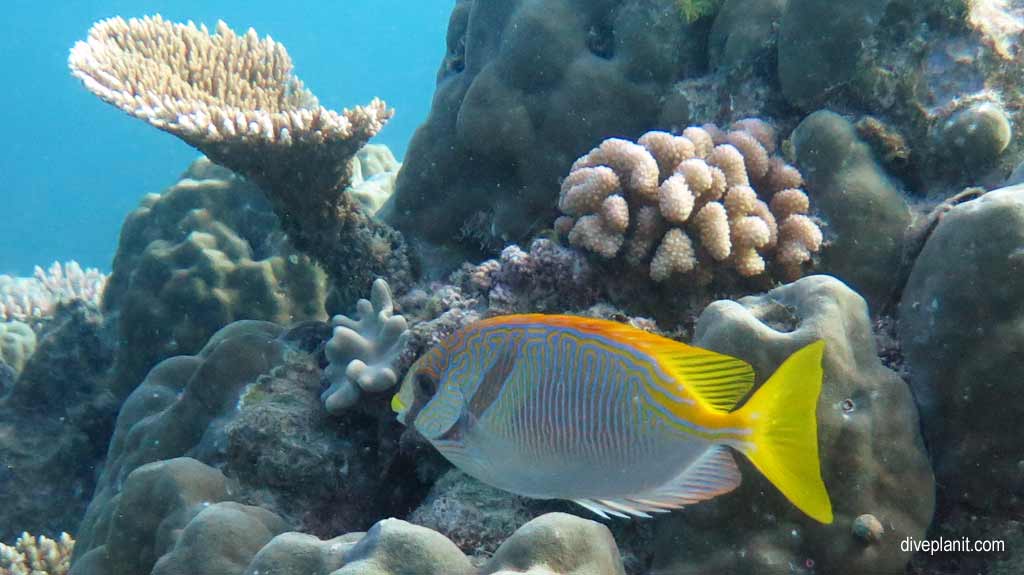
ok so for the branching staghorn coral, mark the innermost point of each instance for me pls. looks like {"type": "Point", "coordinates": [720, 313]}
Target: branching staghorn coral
{"type": "Point", "coordinates": [362, 351]}
{"type": "Point", "coordinates": [37, 555]}
{"type": "Point", "coordinates": [234, 97]}
{"type": "Point", "coordinates": [691, 203]}
{"type": "Point", "coordinates": [36, 298]}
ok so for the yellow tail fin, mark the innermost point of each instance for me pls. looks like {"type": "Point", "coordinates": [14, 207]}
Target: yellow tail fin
{"type": "Point", "coordinates": [782, 413]}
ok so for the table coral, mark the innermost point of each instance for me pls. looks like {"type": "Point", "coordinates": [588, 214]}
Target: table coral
{"type": "Point", "coordinates": [361, 352]}
{"type": "Point", "coordinates": [700, 200]}
{"type": "Point", "coordinates": [37, 555]}
{"type": "Point", "coordinates": [235, 98]}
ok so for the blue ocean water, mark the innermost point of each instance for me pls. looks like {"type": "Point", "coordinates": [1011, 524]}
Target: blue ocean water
{"type": "Point", "coordinates": [73, 166]}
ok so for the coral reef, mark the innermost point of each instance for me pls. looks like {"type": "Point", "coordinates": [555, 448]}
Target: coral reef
{"type": "Point", "coordinates": [743, 34]}
{"type": "Point", "coordinates": [245, 110]}
{"type": "Point", "coordinates": [55, 422]}
{"type": "Point", "coordinates": [205, 252]}
{"type": "Point", "coordinates": [474, 515]}
{"type": "Point", "coordinates": [36, 298]}
{"type": "Point", "coordinates": [156, 506]}
{"type": "Point", "coordinates": [17, 342]}
{"type": "Point", "coordinates": [927, 67]}
{"type": "Point", "coordinates": [868, 217]}
{"type": "Point", "coordinates": [558, 543]}
{"type": "Point", "coordinates": [361, 352]}
{"type": "Point", "coordinates": [37, 555]}
{"type": "Point", "coordinates": [699, 201]}
{"type": "Point", "coordinates": [374, 171]}
{"type": "Point", "coordinates": [547, 278]}
{"type": "Point", "coordinates": [961, 321]}
{"type": "Point", "coordinates": [191, 525]}
{"type": "Point", "coordinates": [250, 446]}
{"type": "Point", "coordinates": [524, 88]}
{"type": "Point", "coordinates": [394, 546]}
{"type": "Point", "coordinates": [249, 403]}
{"type": "Point", "coordinates": [974, 137]}
{"type": "Point", "coordinates": [873, 459]}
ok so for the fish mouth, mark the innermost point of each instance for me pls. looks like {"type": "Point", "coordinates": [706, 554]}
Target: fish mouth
{"type": "Point", "coordinates": [399, 408]}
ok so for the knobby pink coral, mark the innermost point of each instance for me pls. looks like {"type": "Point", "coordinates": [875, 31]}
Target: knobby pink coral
{"type": "Point", "coordinates": [691, 203]}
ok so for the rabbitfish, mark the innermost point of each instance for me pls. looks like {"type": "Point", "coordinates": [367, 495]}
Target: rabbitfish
{"type": "Point", "coordinates": [619, 420]}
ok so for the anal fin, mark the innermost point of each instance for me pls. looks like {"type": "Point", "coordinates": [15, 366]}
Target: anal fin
{"type": "Point", "coordinates": [713, 473]}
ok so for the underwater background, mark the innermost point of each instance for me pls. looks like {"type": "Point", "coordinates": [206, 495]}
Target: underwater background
{"type": "Point", "coordinates": [552, 287]}
{"type": "Point", "coordinates": [60, 158]}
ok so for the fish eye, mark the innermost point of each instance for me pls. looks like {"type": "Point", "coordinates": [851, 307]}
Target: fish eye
{"type": "Point", "coordinates": [426, 384]}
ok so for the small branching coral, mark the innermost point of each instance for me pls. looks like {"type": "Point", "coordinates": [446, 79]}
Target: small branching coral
{"type": "Point", "coordinates": [36, 298]}
{"type": "Point", "coordinates": [234, 97]}
{"type": "Point", "coordinates": [704, 200]}
{"type": "Point", "coordinates": [362, 351]}
{"type": "Point", "coordinates": [37, 555]}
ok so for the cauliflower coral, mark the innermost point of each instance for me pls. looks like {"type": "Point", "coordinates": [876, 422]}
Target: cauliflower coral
{"type": "Point", "coordinates": [691, 203]}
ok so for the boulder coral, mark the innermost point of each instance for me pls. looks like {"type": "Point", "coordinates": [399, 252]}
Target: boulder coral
{"type": "Point", "coordinates": [525, 87]}
{"type": "Point", "coordinates": [249, 403]}
{"type": "Point", "coordinates": [244, 108]}
{"type": "Point", "coordinates": [164, 511]}
{"type": "Point", "coordinates": [868, 216]}
{"type": "Point", "coordinates": [961, 321]}
{"type": "Point", "coordinates": [690, 203]}
{"type": "Point", "coordinates": [191, 524]}
{"type": "Point", "coordinates": [205, 252]}
{"type": "Point", "coordinates": [872, 455]}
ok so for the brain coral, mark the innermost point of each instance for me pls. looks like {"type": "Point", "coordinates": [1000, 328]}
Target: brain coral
{"type": "Point", "coordinates": [690, 203]}
{"type": "Point", "coordinates": [204, 253]}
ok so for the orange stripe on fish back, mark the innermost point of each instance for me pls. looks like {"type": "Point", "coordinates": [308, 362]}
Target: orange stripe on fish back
{"type": "Point", "coordinates": [696, 386]}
